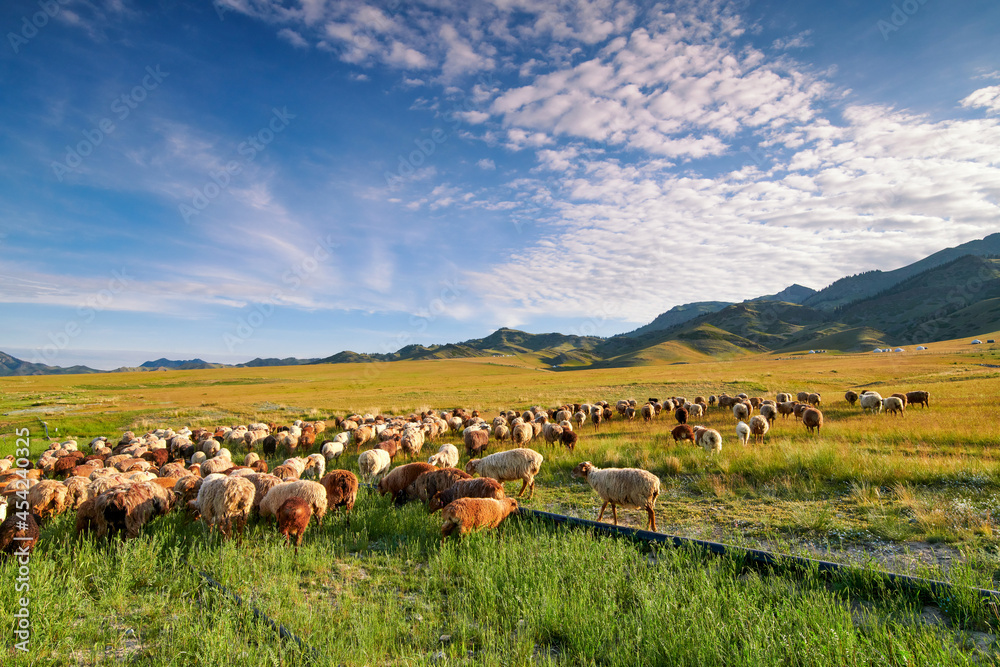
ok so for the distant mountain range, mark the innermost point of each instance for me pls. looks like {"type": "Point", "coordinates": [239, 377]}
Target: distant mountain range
{"type": "Point", "coordinates": [950, 294]}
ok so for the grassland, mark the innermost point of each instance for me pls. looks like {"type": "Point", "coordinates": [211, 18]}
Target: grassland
{"type": "Point", "coordinates": [918, 493]}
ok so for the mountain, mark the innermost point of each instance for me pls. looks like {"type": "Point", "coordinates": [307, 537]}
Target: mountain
{"type": "Point", "coordinates": [273, 361]}
{"type": "Point", "coordinates": [13, 366]}
{"type": "Point", "coordinates": [869, 283]}
{"type": "Point", "coordinates": [792, 294]}
{"type": "Point", "coordinates": [679, 315]}
{"type": "Point", "coordinates": [163, 364]}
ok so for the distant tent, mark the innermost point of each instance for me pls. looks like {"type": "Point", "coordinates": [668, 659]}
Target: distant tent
{"type": "Point", "coordinates": [899, 349]}
{"type": "Point", "coordinates": [990, 340]}
{"type": "Point", "coordinates": [876, 350]}
{"type": "Point", "coordinates": [921, 347]}
{"type": "Point", "coordinates": [811, 352]}
{"type": "Point", "coordinates": [977, 342]}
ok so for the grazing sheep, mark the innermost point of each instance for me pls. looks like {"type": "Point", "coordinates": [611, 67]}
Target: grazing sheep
{"type": "Point", "coordinates": [695, 410]}
{"type": "Point", "coordinates": [627, 487]}
{"type": "Point", "coordinates": [743, 433]}
{"type": "Point", "coordinates": [226, 502]}
{"type": "Point", "coordinates": [476, 441]}
{"type": "Point", "coordinates": [813, 399]}
{"type": "Point", "coordinates": [186, 488]}
{"type": "Point", "coordinates": [681, 415]}
{"type": "Point", "coordinates": [391, 445]}
{"type": "Point", "coordinates": [467, 514]}
{"type": "Point", "coordinates": [596, 416]}
{"type": "Point", "coordinates": [216, 464]}
{"type": "Point", "coordinates": [921, 398]}
{"type": "Point", "coordinates": [373, 463]}
{"type": "Point", "coordinates": [446, 457]}
{"type": "Point", "coordinates": [786, 408]}
{"type": "Point", "coordinates": [77, 492]}
{"type": "Point", "coordinates": [522, 434]}
{"type": "Point", "coordinates": [513, 464]}
{"type": "Point", "coordinates": [758, 427]}
{"type": "Point", "coordinates": [812, 419]}
{"type": "Point", "coordinates": [315, 467]}
{"type": "Point", "coordinates": [709, 439]}
{"type": "Point", "coordinates": [741, 411]}
{"type": "Point", "coordinates": [802, 397]}
{"type": "Point", "coordinates": [286, 472]}
{"type": "Point", "coordinates": [19, 534]}
{"type": "Point", "coordinates": [568, 439]}
{"type": "Point", "coordinates": [851, 397]}
{"type": "Point", "coordinates": [430, 483]}
{"type": "Point", "coordinates": [682, 432]}
{"type": "Point", "coordinates": [332, 450]}
{"type": "Point", "coordinates": [769, 412]}
{"type": "Point", "coordinates": [293, 519]}
{"type": "Point", "coordinates": [262, 483]}
{"type": "Point", "coordinates": [124, 510]}
{"type": "Point", "coordinates": [399, 478]}
{"type": "Point", "coordinates": [47, 499]}
{"type": "Point", "coordinates": [552, 432]}
{"type": "Point", "coordinates": [893, 405]}
{"type": "Point", "coordinates": [341, 490]}
{"type": "Point", "coordinates": [312, 492]}
{"type": "Point", "coordinates": [412, 441]}
{"type": "Point", "coordinates": [871, 401]}
{"type": "Point", "coordinates": [480, 487]}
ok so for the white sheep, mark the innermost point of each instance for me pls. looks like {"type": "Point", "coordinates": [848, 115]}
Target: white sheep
{"type": "Point", "coordinates": [893, 404]}
{"type": "Point", "coordinates": [315, 467]}
{"type": "Point", "coordinates": [312, 492]}
{"type": "Point", "coordinates": [871, 400]}
{"type": "Point", "coordinates": [225, 502]}
{"type": "Point", "coordinates": [446, 457]}
{"type": "Point", "coordinates": [743, 433]}
{"type": "Point", "coordinates": [508, 466]}
{"type": "Point", "coordinates": [758, 426]}
{"type": "Point", "coordinates": [709, 439]}
{"type": "Point", "coordinates": [373, 463]}
{"type": "Point", "coordinates": [625, 487]}
{"type": "Point", "coordinates": [332, 450]}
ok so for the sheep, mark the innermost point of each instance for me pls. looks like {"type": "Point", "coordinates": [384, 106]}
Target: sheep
{"type": "Point", "coordinates": [468, 514]}
{"type": "Point", "coordinates": [250, 459]}
{"type": "Point", "coordinates": [648, 412]}
{"type": "Point", "coordinates": [373, 463]}
{"type": "Point", "coordinates": [186, 488]}
{"type": "Point", "coordinates": [921, 398]}
{"type": "Point", "coordinates": [743, 433]}
{"type": "Point", "coordinates": [262, 483]}
{"type": "Point", "coordinates": [123, 510]}
{"type": "Point", "coordinates": [812, 419]}
{"type": "Point", "coordinates": [568, 439]}
{"type": "Point", "coordinates": [293, 519]}
{"type": "Point", "coordinates": [522, 434]}
{"type": "Point", "coordinates": [217, 464]}
{"type": "Point", "coordinates": [480, 487]}
{"type": "Point", "coordinates": [286, 472]}
{"type": "Point", "coordinates": [682, 432]}
{"type": "Point", "coordinates": [476, 441]}
{"type": "Point", "coordinates": [851, 397]}
{"type": "Point", "coordinates": [175, 470]}
{"type": "Point", "coordinates": [47, 499]}
{"type": "Point", "coordinates": [628, 487]}
{"type": "Point", "coordinates": [758, 427]}
{"type": "Point", "coordinates": [341, 490]}
{"type": "Point", "coordinates": [596, 416]}
{"type": "Point", "coordinates": [399, 478]}
{"type": "Point", "coordinates": [77, 492]}
{"type": "Point", "coordinates": [813, 399]}
{"type": "Point", "coordinates": [769, 412]}
{"type": "Point", "coordinates": [312, 492]}
{"type": "Point", "coordinates": [802, 397]}
{"type": "Point", "coordinates": [362, 435]}
{"type": "Point", "coordinates": [681, 415]}
{"type": "Point", "coordinates": [871, 401]}
{"type": "Point", "coordinates": [315, 467]}
{"type": "Point", "coordinates": [412, 441]}
{"type": "Point", "coordinates": [709, 439]}
{"type": "Point", "coordinates": [511, 465]}
{"type": "Point", "coordinates": [391, 445]}
{"type": "Point", "coordinates": [741, 411]}
{"type": "Point", "coordinates": [331, 450]}
{"type": "Point", "coordinates": [19, 533]}
{"type": "Point", "coordinates": [446, 457]}
{"type": "Point", "coordinates": [695, 410]}
{"type": "Point", "coordinates": [428, 484]}
{"type": "Point", "coordinates": [226, 502]}
{"type": "Point", "coordinates": [893, 405]}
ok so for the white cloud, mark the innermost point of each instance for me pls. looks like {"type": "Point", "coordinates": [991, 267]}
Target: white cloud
{"type": "Point", "coordinates": [985, 98]}
{"type": "Point", "coordinates": [487, 164]}
{"type": "Point", "coordinates": [293, 38]}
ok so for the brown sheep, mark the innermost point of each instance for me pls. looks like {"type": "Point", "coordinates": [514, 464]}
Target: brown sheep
{"type": "Point", "coordinates": [568, 439]}
{"type": "Point", "coordinates": [479, 487]}
{"type": "Point", "coordinates": [65, 467]}
{"type": "Point", "coordinates": [363, 435]}
{"type": "Point", "coordinates": [186, 488]}
{"type": "Point", "coordinates": [399, 478]}
{"type": "Point", "coordinates": [259, 466]}
{"type": "Point", "coordinates": [426, 485]}
{"type": "Point", "coordinates": [851, 397]}
{"type": "Point", "coordinates": [786, 408]}
{"type": "Point", "coordinates": [47, 499]}
{"type": "Point", "coordinates": [125, 509]}
{"type": "Point", "coordinates": [285, 472]}
{"type": "Point", "coordinates": [813, 399]}
{"type": "Point", "coordinates": [262, 483]}
{"type": "Point", "coordinates": [12, 542]}
{"type": "Point", "coordinates": [681, 415]}
{"type": "Point", "coordinates": [390, 445]}
{"type": "Point", "coordinates": [87, 520]}
{"type": "Point", "coordinates": [476, 442]}
{"type": "Point", "coordinates": [307, 440]}
{"type": "Point", "coordinates": [682, 432]}
{"type": "Point", "coordinates": [921, 398]}
{"type": "Point", "coordinates": [901, 397]}
{"type": "Point", "coordinates": [467, 514]}
{"type": "Point", "coordinates": [293, 519]}
{"type": "Point", "coordinates": [158, 457]}
{"type": "Point", "coordinates": [800, 409]}
{"type": "Point", "coordinates": [812, 419]}
{"type": "Point", "coordinates": [341, 491]}
{"type": "Point", "coordinates": [175, 470]}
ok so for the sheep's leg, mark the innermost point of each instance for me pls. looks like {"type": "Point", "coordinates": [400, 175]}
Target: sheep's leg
{"type": "Point", "coordinates": [524, 485]}
{"type": "Point", "coordinates": [652, 517]}
{"type": "Point", "coordinates": [532, 491]}
{"type": "Point", "coordinates": [614, 512]}
{"type": "Point", "coordinates": [603, 507]}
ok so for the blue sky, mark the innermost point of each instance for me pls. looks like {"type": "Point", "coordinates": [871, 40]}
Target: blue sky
{"type": "Point", "coordinates": [262, 178]}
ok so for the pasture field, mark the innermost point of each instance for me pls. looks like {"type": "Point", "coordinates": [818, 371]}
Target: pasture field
{"type": "Point", "coordinates": [919, 494]}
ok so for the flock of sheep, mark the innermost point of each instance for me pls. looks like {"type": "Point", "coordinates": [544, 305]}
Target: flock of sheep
{"type": "Point", "coordinates": [120, 486]}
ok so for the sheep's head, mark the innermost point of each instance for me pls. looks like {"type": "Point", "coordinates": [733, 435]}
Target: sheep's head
{"type": "Point", "coordinates": [511, 504]}
{"type": "Point", "coordinates": [472, 466]}
{"type": "Point", "coordinates": [582, 470]}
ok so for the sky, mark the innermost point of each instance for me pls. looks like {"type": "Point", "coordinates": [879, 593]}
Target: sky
{"type": "Point", "coordinates": [265, 178]}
